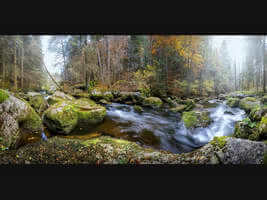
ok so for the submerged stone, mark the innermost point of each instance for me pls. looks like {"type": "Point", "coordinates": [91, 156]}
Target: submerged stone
{"type": "Point", "coordinates": [232, 102]}
{"type": "Point", "coordinates": [194, 119]}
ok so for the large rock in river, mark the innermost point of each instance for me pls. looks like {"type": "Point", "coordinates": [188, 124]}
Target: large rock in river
{"type": "Point", "coordinates": [194, 119]}
{"type": "Point", "coordinates": [59, 96]}
{"type": "Point", "coordinates": [153, 102]}
{"type": "Point", "coordinates": [38, 102]}
{"type": "Point", "coordinates": [248, 103]}
{"type": "Point", "coordinates": [64, 116]}
{"type": "Point", "coordinates": [233, 102]}
{"type": "Point", "coordinates": [17, 118]}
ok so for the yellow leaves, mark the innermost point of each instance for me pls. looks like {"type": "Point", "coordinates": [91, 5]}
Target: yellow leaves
{"type": "Point", "coordinates": [198, 59]}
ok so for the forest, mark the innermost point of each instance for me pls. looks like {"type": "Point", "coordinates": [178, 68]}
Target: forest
{"type": "Point", "coordinates": [133, 99]}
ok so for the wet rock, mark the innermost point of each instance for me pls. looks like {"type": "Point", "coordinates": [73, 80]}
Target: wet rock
{"type": "Point", "coordinates": [9, 131]}
{"type": "Point", "coordinates": [170, 102]}
{"type": "Point", "coordinates": [17, 117]}
{"type": "Point", "coordinates": [138, 109]}
{"type": "Point", "coordinates": [64, 116]}
{"type": "Point", "coordinates": [232, 102]}
{"type": "Point", "coordinates": [190, 104]}
{"type": "Point", "coordinates": [248, 103]}
{"type": "Point", "coordinates": [39, 103]}
{"type": "Point", "coordinates": [153, 102]}
{"type": "Point", "coordinates": [242, 130]}
{"type": "Point", "coordinates": [222, 96]}
{"type": "Point", "coordinates": [263, 126]}
{"type": "Point", "coordinates": [61, 118]}
{"type": "Point", "coordinates": [78, 93]}
{"type": "Point", "coordinates": [59, 96]}
{"type": "Point", "coordinates": [194, 119]}
{"type": "Point", "coordinates": [228, 112]}
{"type": "Point", "coordinates": [103, 101]}
{"type": "Point", "coordinates": [264, 99]}
{"type": "Point", "coordinates": [240, 151]}
{"type": "Point", "coordinates": [179, 108]}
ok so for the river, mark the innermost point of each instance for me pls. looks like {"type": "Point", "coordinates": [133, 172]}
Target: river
{"type": "Point", "coordinates": [162, 129]}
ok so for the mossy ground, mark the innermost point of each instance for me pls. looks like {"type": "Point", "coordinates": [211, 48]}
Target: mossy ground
{"type": "Point", "coordinates": [3, 96]}
{"type": "Point", "coordinates": [219, 141]}
{"type": "Point", "coordinates": [232, 102]}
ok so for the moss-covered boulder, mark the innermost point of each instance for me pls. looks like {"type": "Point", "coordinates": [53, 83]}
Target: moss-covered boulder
{"type": "Point", "coordinates": [80, 93]}
{"type": "Point", "coordinates": [263, 126]}
{"type": "Point", "coordinates": [264, 99]}
{"type": "Point", "coordinates": [61, 118]}
{"type": "Point", "coordinates": [3, 95]}
{"type": "Point", "coordinates": [170, 102]}
{"type": "Point", "coordinates": [190, 104]}
{"type": "Point", "coordinates": [179, 108]}
{"type": "Point", "coordinates": [18, 119]}
{"type": "Point", "coordinates": [241, 130]}
{"type": "Point", "coordinates": [248, 103]}
{"type": "Point", "coordinates": [194, 119]}
{"type": "Point", "coordinates": [233, 102]}
{"type": "Point", "coordinates": [138, 109]}
{"type": "Point", "coordinates": [257, 112]}
{"type": "Point", "coordinates": [10, 134]}
{"type": "Point", "coordinates": [89, 113]}
{"type": "Point", "coordinates": [104, 102]}
{"type": "Point", "coordinates": [59, 96]}
{"type": "Point", "coordinates": [65, 116]}
{"type": "Point", "coordinates": [153, 102]}
{"type": "Point", "coordinates": [38, 103]}
{"type": "Point", "coordinates": [247, 129]}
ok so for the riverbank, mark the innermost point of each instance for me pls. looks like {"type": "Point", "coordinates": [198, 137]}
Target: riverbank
{"type": "Point", "coordinates": [107, 150]}
{"type": "Point", "coordinates": [133, 135]}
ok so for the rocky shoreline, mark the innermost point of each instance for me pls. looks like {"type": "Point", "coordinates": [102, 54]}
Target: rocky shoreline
{"type": "Point", "coordinates": [23, 114]}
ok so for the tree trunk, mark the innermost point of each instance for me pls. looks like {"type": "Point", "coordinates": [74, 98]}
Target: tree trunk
{"type": "Point", "coordinates": [15, 66]}
{"type": "Point", "coordinates": [264, 65]}
{"type": "Point", "coordinates": [108, 58]}
{"type": "Point", "coordinates": [22, 60]}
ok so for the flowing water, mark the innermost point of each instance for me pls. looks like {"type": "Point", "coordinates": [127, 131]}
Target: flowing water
{"type": "Point", "coordinates": [163, 129]}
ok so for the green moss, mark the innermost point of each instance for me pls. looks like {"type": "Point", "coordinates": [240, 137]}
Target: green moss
{"type": "Point", "coordinates": [138, 109]}
{"type": "Point", "coordinates": [255, 113]}
{"type": "Point", "coordinates": [190, 104]}
{"type": "Point", "coordinates": [248, 103]}
{"type": "Point", "coordinates": [108, 97]}
{"type": "Point", "coordinates": [232, 102]}
{"type": "Point", "coordinates": [66, 115]}
{"type": "Point", "coordinates": [38, 103]}
{"type": "Point", "coordinates": [254, 136]}
{"type": "Point", "coordinates": [61, 118]}
{"type": "Point", "coordinates": [190, 119]}
{"type": "Point", "coordinates": [152, 102]}
{"type": "Point", "coordinates": [3, 96]}
{"type": "Point", "coordinates": [219, 141]}
{"type": "Point", "coordinates": [264, 99]}
{"type": "Point", "coordinates": [53, 100]}
{"type": "Point", "coordinates": [193, 119]}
